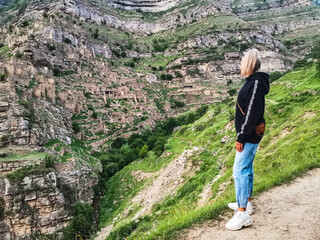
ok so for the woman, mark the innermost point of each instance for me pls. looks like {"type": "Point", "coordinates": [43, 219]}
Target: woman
{"type": "Point", "coordinates": [249, 114]}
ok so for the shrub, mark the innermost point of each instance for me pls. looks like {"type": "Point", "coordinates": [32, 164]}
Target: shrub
{"type": "Point", "coordinates": [178, 74]}
{"type": "Point", "coordinates": [96, 34]}
{"type": "Point", "coordinates": [143, 151]}
{"type": "Point", "coordinates": [302, 63]}
{"type": "Point", "coordinates": [18, 55]}
{"type": "Point", "coordinates": [2, 77]}
{"type": "Point", "coordinates": [111, 169]}
{"type": "Point", "coordinates": [87, 94]}
{"type": "Point", "coordinates": [160, 45]}
{"type": "Point", "coordinates": [51, 47]}
{"type": "Point", "coordinates": [232, 92]}
{"type": "Point", "coordinates": [164, 76]}
{"type": "Point", "coordinates": [118, 142]}
{"type": "Point", "coordinates": [176, 104]}
{"type": "Point", "coordinates": [221, 41]}
{"type": "Point", "coordinates": [95, 115]}
{"type": "Point", "coordinates": [81, 224]}
{"type": "Point", "coordinates": [25, 23]}
{"type": "Point", "coordinates": [56, 72]}
{"type": "Point", "coordinates": [275, 76]}
{"type": "Point", "coordinates": [76, 127]}
{"type": "Point", "coordinates": [123, 54]}
{"type": "Point", "coordinates": [67, 40]}
{"type": "Point", "coordinates": [49, 161]}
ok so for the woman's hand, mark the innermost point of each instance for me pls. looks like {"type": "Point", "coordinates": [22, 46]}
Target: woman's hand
{"type": "Point", "coordinates": [239, 146]}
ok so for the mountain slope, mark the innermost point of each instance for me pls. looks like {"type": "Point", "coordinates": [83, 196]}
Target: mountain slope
{"type": "Point", "coordinates": [206, 152]}
{"type": "Point", "coordinates": [79, 78]}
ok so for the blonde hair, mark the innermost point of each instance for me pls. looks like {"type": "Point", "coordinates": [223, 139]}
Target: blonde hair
{"type": "Point", "coordinates": [250, 62]}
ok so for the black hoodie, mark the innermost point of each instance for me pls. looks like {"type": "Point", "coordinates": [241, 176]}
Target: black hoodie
{"type": "Point", "coordinates": [252, 102]}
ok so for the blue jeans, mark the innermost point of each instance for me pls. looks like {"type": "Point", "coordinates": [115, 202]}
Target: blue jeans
{"type": "Point", "coordinates": [243, 173]}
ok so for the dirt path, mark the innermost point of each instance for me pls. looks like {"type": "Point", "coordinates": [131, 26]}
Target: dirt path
{"type": "Point", "coordinates": [289, 211]}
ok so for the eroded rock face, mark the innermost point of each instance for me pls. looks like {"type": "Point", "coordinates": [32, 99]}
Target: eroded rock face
{"type": "Point", "coordinates": [41, 203]}
{"type": "Point", "coordinates": [145, 5]}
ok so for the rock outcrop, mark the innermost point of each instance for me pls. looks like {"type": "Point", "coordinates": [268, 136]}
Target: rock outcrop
{"type": "Point", "coordinates": [145, 5]}
{"type": "Point", "coordinates": [40, 203]}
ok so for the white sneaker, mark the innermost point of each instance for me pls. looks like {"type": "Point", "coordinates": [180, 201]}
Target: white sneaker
{"type": "Point", "coordinates": [249, 208]}
{"type": "Point", "coordinates": [239, 220]}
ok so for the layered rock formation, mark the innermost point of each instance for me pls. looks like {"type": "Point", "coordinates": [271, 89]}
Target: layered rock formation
{"type": "Point", "coordinates": [145, 5]}
{"type": "Point", "coordinates": [40, 203]}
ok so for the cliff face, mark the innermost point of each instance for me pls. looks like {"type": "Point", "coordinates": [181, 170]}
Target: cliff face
{"type": "Point", "coordinates": [148, 6]}
{"type": "Point", "coordinates": [40, 202]}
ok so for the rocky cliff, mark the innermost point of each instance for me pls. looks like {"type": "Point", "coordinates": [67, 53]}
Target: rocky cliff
{"type": "Point", "coordinates": [148, 6]}
{"type": "Point", "coordinates": [95, 70]}
{"type": "Point", "coordinates": [38, 201]}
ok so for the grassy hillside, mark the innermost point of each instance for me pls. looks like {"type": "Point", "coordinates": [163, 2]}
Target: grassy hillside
{"type": "Point", "coordinates": [289, 148]}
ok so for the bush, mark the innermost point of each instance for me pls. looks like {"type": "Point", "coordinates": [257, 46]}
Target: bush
{"type": "Point", "coordinates": [81, 224]}
{"type": "Point", "coordinates": [96, 34]}
{"type": "Point", "coordinates": [118, 142]}
{"type": "Point", "coordinates": [76, 127]}
{"type": "Point", "coordinates": [51, 47]}
{"type": "Point", "coordinates": [164, 76]}
{"type": "Point", "coordinates": [110, 169]}
{"type": "Point", "coordinates": [232, 92]}
{"type": "Point", "coordinates": [160, 45]}
{"type": "Point", "coordinates": [221, 42]}
{"type": "Point", "coordinates": [3, 77]}
{"type": "Point", "coordinates": [178, 74]}
{"type": "Point", "coordinates": [56, 72]}
{"type": "Point", "coordinates": [87, 94]}
{"type": "Point", "coordinates": [95, 115]}
{"type": "Point", "coordinates": [67, 40]}
{"type": "Point", "coordinates": [25, 23]}
{"type": "Point", "coordinates": [176, 104]}
{"type": "Point", "coordinates": [49, 161]}
{"type": "Point", "coordinates": [143, 151]}
{"type": "Point", "coordinates": [302, 63]}
{"type": "Point", "coordinates": [275, 76]}
{"type": "Point", "coordinates": [18, 55]}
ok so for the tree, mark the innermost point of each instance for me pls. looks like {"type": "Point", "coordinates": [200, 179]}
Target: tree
{"type": "Point", "coordinates": [118, 142]}
{"type": "Point", "coordinates": [81, 224]}
{"type": "Point", "coordinates": [128, 154]}
{"type": "Point", "coordinates": [137, 143]}
{"type": "Point", "coordinates": [110, 169]}
{"type": "Point", "coordinates": [143, 151]}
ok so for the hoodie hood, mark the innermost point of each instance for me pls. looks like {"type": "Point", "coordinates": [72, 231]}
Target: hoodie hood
{"type": "Point", "coordinates": [263, 79]}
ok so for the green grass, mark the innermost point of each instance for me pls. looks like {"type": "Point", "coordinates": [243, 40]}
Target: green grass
{"type": "Point", "coordinates": [289, 148]}
{"type": "Point", "coordinates": [4, 50]}
{"type": "Point", "coordinates": [33, 156]}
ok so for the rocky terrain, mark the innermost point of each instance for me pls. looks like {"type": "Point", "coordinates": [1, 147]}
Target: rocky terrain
{"type": "Point", "coordinates": [97, 70]}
